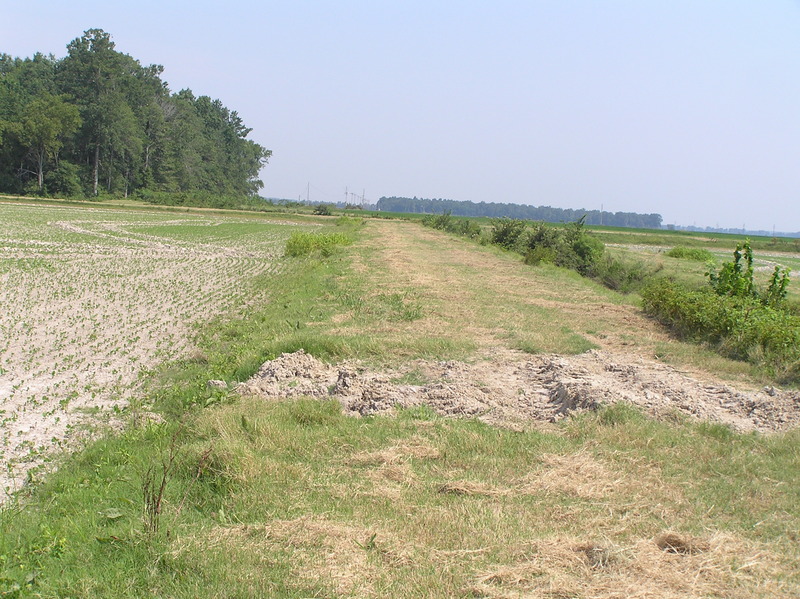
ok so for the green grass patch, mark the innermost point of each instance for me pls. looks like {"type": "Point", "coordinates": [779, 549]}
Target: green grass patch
{"type": "Point", "coordinates": [302, 243]}
{"type": "Point", "coordinates": [687, 253]}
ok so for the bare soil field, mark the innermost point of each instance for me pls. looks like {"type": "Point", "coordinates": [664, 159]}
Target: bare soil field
{"type": "Point", "coordinates": [92, 298]}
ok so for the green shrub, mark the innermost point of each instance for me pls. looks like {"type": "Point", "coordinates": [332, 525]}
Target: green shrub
{"type": "Point", "coordinates": [736, 280]}
{"type": "Point", "coordinates": [686, 253]}
{"type": "Point", "coordinates": [468, 228]}
{"type": "Point", "coordinates": [445, 222]}
{"type": "Point", "coordinates": [322, 210]}
{"type": "Point", "coordinates": [303, 244]}
{"type": "Point", "coordinates": [442, 222]}
{"type": "Point", "coordinates": [540, 255]}
{"type": "Point", "coordinates": [742, 328]}
{"type": "Point", "coordinates": [506, 232]}
{"type": "Point", "coordinates": [570, 247]}
{"type": "Point", "coordinates": [65, 180]}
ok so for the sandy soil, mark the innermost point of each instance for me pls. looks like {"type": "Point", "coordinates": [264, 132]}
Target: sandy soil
{"type": "Point", "coordinates": [512, 388]}
{"type": "Point", "coordinates": [517, 390]}
{"type": "Point", "coordinates": [90, 304]}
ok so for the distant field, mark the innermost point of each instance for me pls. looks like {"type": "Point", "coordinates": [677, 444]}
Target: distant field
{"type": "Point", "coordinates": [94, 297]}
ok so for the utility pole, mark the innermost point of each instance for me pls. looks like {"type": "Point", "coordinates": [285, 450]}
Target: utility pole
{"type": "Point", "coordinates": [345, 196]}
{"type": "Point", "coordinates": [363, 193]}
{"type": "Point", "coordinates": [308, 193]}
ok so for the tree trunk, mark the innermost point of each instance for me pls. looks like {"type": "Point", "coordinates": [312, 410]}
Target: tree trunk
{"type": "Point", "coordinates": [40, 169]}
{"type": "Point", "coordinates": [96, 168]}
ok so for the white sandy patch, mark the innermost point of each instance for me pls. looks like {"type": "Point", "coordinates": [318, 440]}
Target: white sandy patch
{"type": "Point", "coordinates": [88, 304]}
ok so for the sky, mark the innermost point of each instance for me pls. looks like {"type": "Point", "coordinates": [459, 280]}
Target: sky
{"type": "Point", "coordinates": [689, 109]}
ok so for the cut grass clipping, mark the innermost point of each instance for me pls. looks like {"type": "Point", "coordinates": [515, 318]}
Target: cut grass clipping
{"type": "Point", "coordinates": [305, 244]}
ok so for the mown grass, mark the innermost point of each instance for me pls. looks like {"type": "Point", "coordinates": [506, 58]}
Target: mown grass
{"type": "Point", "coordinates": [295, 499]}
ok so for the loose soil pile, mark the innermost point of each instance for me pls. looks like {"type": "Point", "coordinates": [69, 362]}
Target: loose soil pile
{"type": "Point", "coordinates": [514, 389]}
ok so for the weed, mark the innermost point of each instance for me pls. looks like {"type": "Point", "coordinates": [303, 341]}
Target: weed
{"type": "Point", "coordinates": [736, 279]}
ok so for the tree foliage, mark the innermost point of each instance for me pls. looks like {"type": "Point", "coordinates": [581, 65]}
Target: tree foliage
{"type": "Point", "coordinates": [517, 211]}
{"type": "Point", "coordinates": [97, 121]}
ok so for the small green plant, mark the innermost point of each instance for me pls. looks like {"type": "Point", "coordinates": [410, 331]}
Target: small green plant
{"type": "Point", "coordinates": [735, 279]}
{"type": "Point", "coordinates": [154, 484]}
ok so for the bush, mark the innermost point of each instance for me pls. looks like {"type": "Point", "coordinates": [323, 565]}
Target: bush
{"type": "Point", "coordinates": [322, 210]}
{"type": "Point", "coordinates": [201, 199]}
{"type": "Point", "coordinates": [506, 232]}
{"type": "Point", "coordinates": [445, 222]}
{"type": "Point", "coordinates": [570, 247]}
{"type": "Point", "coordinates": [468, 228]}
{"type": "Point", "coordinates": [442, 222]}
{"type": "Point", "coordinates": [64, 181]}
{"type": "Point", "coordinates": [540, 255]}
{"type": "Point", "coordinates": [736, 280]}
{"type": "Point", "coordinates": [686, 253]}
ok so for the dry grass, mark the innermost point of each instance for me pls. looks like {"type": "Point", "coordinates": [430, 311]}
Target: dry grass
{"type": "Point", "coordinates": [489, 298]}
{"type": "Point", "coordinates": [567, 567]}
{"type": "Point", "coordinates": [581, 475]}
{"type": "Point", "coordinates": [416, 448]}
{"type": "Point", "coordinates": [468, 487]}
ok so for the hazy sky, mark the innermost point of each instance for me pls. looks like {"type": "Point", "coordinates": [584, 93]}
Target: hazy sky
{"type": "Point", "coordinates": [686, 108]}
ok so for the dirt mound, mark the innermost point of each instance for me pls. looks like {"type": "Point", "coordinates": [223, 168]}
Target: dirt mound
{"type": "Point", "coordinates": [511, 388]}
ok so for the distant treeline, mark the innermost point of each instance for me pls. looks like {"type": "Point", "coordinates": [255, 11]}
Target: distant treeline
{"type": "Point", "coordinates": [97, 121]}
{"type": "Point", "coordinates": [539, 213]}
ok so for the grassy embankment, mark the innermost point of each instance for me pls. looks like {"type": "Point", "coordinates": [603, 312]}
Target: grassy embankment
{"type": "Point", "coordinates": [293, 499]}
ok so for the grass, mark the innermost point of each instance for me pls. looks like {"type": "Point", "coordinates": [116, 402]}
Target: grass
{"type": "Point", "coordinates": [295, 499]}
{"type": "Point", "coordinates": [696, 254]}
{"type": "Point", "coordinates": [303, 243]}
{"type": "Point", "coordinates": [292, 498]}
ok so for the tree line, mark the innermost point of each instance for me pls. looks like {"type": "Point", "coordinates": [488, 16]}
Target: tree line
{"type": "Point", "coordinates": [98, 122]}
{"type": "Point", "coordinates": [518, 211]}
